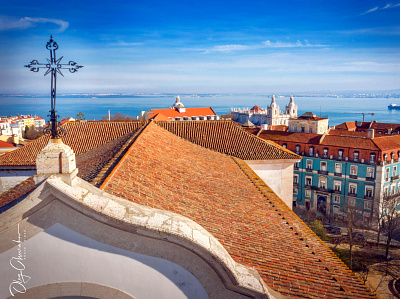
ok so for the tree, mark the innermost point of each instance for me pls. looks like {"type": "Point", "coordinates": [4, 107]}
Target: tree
{"type": "Point", "coordinates": [352, 212]}
{"type": "Point", "coordinates": [31, 133]}
{"type": "Point", "coordinates": [390, 209]}
{"type": "Point", "coordinates": [80, 116]}
{"type": "Point", "coordinates": [118, 116]}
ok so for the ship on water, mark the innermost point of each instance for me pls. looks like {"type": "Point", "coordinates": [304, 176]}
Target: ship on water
{"type": "Point", "coordinates": [394, 106]}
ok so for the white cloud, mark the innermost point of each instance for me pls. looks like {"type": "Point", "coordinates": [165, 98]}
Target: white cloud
{"type": "Point", "coordinates": [7, 23]}
{"type": "Point", "coordinates": [263, 45]}
{"type": "Point", "coordinates": [370, 10]}
{"type": "Point", "coordinates": [387, 6]}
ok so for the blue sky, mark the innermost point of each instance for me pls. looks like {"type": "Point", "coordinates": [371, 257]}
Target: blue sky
{"type": "Point", "coordinates": [206, 46]}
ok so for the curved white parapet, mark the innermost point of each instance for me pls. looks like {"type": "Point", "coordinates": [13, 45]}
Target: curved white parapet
{"type": "Point", "coordinates": [177, 238]}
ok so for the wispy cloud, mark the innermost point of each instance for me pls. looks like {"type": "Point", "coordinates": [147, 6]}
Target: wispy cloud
{"type": "Point", "coordinates": [387, 6]}
{"type": "Point", "coordinates": [8, 23]}
{"type": "Point", "coordinates": [264, 45]}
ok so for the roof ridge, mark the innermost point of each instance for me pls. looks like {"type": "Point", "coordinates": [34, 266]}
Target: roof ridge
{"type": "Point", "coordinates": [281, 208]}
{"type": "Point", "coordinates": [101, 180]}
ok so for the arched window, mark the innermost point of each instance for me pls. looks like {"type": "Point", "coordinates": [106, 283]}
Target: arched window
{"type": "Point", "coordinates": [326, 152]}
{"type": "Point", "coordinates": [340, 154]}
{"type": "Point", "coordinates": [356, 156]}
{"type": "Point", "coordinates": [284, 145]}
{"type": "Point", "coordinates": [311, 151]}
{"type": "Point", "coordinates": [392, 155]}
{"type": "Point", "coordinates": [372, 158]}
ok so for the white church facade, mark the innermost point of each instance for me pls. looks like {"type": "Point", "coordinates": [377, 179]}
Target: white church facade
{"type": "Point", "coordinates": [271, 116]}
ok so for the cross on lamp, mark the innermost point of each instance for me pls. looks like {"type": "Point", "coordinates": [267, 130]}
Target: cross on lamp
{"type": "Point", "coordinates": [53, 66]}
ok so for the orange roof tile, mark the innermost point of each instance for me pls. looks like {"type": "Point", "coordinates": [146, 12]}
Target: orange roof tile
{"type": "Point", "coordinates": [188, 112]}
{"type": "Point", "coordinates": [81, 137]}
{"type": "Point", "coordinates": [161, 117]}
{"type": "Point", "coordinates": [164, 171]}
{"type": "Point", "coordinates": [6, 144]}
{"type": "Point", "coordinates": [226, 137]}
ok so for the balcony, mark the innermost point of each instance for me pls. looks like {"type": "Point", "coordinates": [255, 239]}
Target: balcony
{"type": "Point", "coordinates": [337, 191]}
{"type": "Point", "coordinates": [323, 172]}
{"type": "Point", "coordinates": [368, 197]}
{"type": "Point", "coordinates": [296, 167]}
{"type": "Point", "coordinates": [352, 194]}
{"type": "Point", "coordinates": [353, 176]}
{"type": "Point", "coordinates": [370, 179]}
{"type": "Point", "coordinates": [295, 183]}
{"type": "Point", "coordinates": [395, 177]}
{"type": "Point", "coordinates": [338, 174]}
{"type": "Point", "coordinates": [309, 169]}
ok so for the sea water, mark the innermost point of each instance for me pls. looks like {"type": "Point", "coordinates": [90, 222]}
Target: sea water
{"type": "Point", "coordinates": [338, 110]}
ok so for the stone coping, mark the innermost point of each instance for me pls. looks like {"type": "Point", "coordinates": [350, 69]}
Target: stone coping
{"type": "Point", "coordinates": [159, 224]}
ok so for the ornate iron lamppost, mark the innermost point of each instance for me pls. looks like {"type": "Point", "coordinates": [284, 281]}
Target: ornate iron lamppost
{"type": "Point", "coordinates": [53, 66]}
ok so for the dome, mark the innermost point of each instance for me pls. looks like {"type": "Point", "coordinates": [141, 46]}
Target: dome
{"type": "Point", "coordinates": [178, 103]}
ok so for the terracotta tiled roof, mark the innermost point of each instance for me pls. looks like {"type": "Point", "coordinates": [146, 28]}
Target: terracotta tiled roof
{"type": "Point", "coordinates": [188, 112]}
{"type": "Point", "coordinates": [256, 108]}
{"type": "Point", "coordinates": [17, 191]}
{"type": "Point", "coordinates": [227, 137]}
{"type": "Point", "coordinates": [348, 133]}
{"type": "Point", "coordinates": [81, 137]}
{"type": "Point", "coordinates": [290, 136]}
{"type": "Point", "coordinates": [6, 144]}
{"type": "Point", "coordinates": [329, 140]}
{"type": "Point", "coordinates": [350, 126]}
{"type": "Point", "coordinates": [228, 199]}
{"type": "Point", "coordinates": [389, 142]}
{"type": "Point", "coordinates": [161, 117]}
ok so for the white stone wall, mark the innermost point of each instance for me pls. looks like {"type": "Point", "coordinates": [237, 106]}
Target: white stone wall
{"type": "Point", "coordinates": [278, 175]}
{"type": "Point", "coordinates": [11, 178]}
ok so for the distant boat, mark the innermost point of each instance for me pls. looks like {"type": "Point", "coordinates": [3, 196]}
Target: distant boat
{"type": "Point", "coordinates": [394, 106]}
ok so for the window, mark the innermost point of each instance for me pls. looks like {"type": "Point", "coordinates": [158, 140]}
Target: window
{"type": "Point", "coordinates": [309, 164]}
{"type": "Point", "coordinates": [336, 209]}
{"type": "Point", "coordinates": [284, 145]}
{"type": "Point", "coordinates": [387, 174]}
{"type": "Point", "coordinates": [352, 189]}
{"type": "Point", "coordinates": [338, 168]}
{"type": "Point", "coordinates": [294, 128]}
{"type": "Point", "coordinates": [297, 165]}
{"type": "Point", "coordinates": [370, 172]}
{"type": "Point", "coordinates": [340, 154]}
{"type": "Point", "coordinates": [392, 155]}
{"type": "Point", "coordinates": [369, 191]}
{"type": "Point", "coordinates": [310, 130]}
{"type": "Point", "coordinates": [322, 184]}
{"type": "Point", "coordinates": [336, 199]}
{"type": "Point", "coordinates": [352, 202]}
{"type": "Point", "coordinates": [385, 157]}
{"type": "Point", "coordinates": [392, 190]}
{"type": "Point", "coordinates": [372, 158]}
{"type": "Point", "coordinates": [296, 179]}
{"type": "Point", "coordinates": [308, 180]}
{"type": "Point", "coordinates": [295, 190]}
{"type": "Point", "coordinates": [386, 191]}
{"type": "Point", "coordinates": [367, 205]}
{"type": "Point", "coordinates": [337, 185]}
{"type": "Point", "coordinates": [303, 129]}
{"type": "Point", "coordinates": [323, 166]}
{"type": "Point", "coordinates": [308, 193]}
{"type": "Point", "coordinates": [325, 152]}
{"type": "Point", "coordinates": [311, 151]}
{"type": "Point", "coordinates": [297, 148]}
{"type": "Point", "coordinates": [356, 156]}
{"type": "Point", "coordinates": [394, 173]}
{"type": "Point", "coordinates": [353, 170]}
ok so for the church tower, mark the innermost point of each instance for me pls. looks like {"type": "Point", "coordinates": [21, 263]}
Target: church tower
{"type": "Point", "coordinates": [273, 112]}
{"type": "Point", "coordinates": [291, 109]}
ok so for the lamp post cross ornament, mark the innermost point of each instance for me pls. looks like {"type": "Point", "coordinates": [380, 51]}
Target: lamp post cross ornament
{"type": "Point", "coordinates": [53, 66]}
